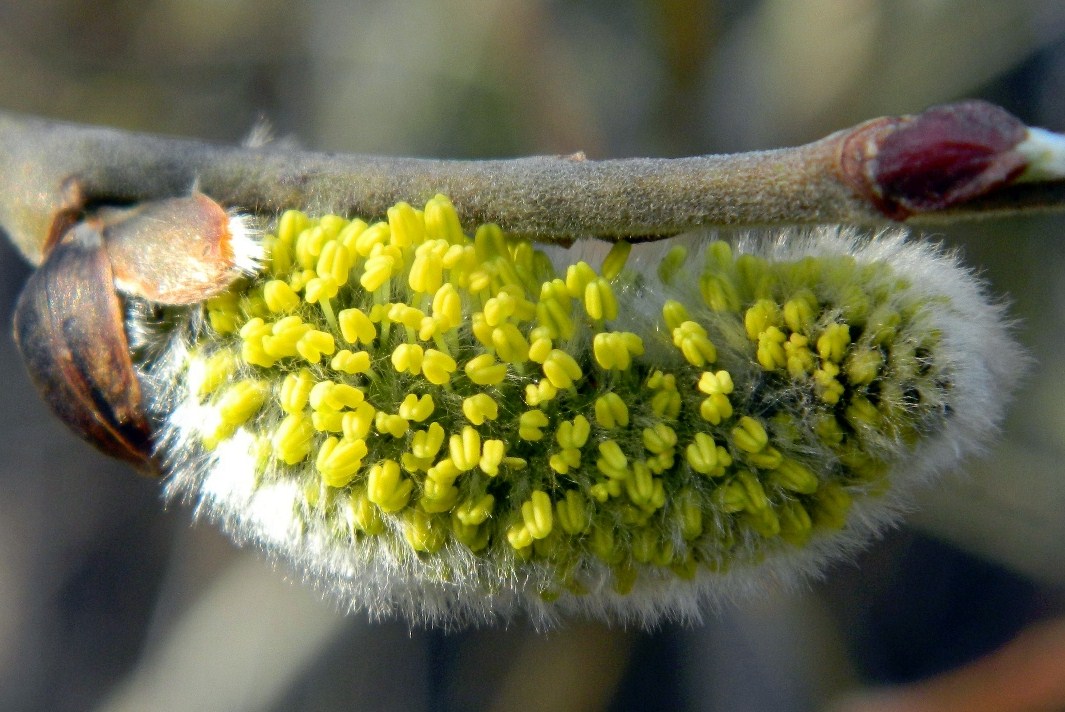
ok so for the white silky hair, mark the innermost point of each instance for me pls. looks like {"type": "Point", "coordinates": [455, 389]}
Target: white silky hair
{"type": "Point", "coordinates": [455, 587]}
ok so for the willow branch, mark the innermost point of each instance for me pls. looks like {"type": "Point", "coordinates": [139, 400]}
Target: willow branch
{"type": "Point", "coordinates": [956, 161]}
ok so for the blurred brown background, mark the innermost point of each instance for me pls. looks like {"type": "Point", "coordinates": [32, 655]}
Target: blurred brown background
{"type": "Point", "coordinates": [108, 601]}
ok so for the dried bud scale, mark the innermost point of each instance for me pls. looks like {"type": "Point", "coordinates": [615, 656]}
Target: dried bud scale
{"type": "Point", "coordinates": [458, 428]}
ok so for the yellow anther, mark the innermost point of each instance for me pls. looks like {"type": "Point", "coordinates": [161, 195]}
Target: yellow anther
{"type": "Point", "coordinates": [423, 532]}
{"type": "Point", "coordinates": [442, 222]}
{"type": "Point", "coordinates": [389, 424]}
{"type": "Point", "coordinates": [831, 507]}
{"type": "Point", "coordinates": [572, 513]}
{"type": "Point", "coordinates": [241, 401]}
{"type": "Point", "coordinates": [479, 408]}
{"type": "Point", "coordinates": [475, 511]}
{"type": "Point", "coordinates": [715, 408]}
{"type": "Point", "coordinates": [290, 225]}
{"type": "Point", "coordinates": [611, 411]}
{"type": "Point", "coordinates": [720, 382]}
{"type": "Point", "coordinates": [447, 306]}
{"type": "Point", "coordinates": [862, 414]}
{"type": "Point", "coordinates": [659, 439]}
{"type": "Point", "coordinates": [794, 477]}
{"type": "Point", "coordinates": [829, 430]}
{"type": "Point", "coordinates": [376, 271]}
{"type": "Point", "coordinates": [671, 263]}
{"type": "Point", "coordinates": [615, 260]}
{"type": "Point", "coordinates": [284, 337]}
{"type": "Point", "coordinates": [499, 308]}
{"type": "Point", "coordinates": [444, 471]}
{"type": "Point", "coordinates": [509, 343]}
{"type": "Point", "coordinates": [406, 225]}
{"type": "Point", "coordinates": [387, 488]}
{"type": "Point", "coordinates": [356, 424]}
{"type": "Point", "coordinates": [800, 310]}
{"type": "Point", "coordinates": [531, 424]}
{"type": "Point", "coordinates": [578, 276]}
{"type": "Point", "coordinates": [561, 369]}
{"type": "Point", "coordinates": [327, 395]}
{"type": "Point", "coordinates": [309, 246]}
{"type": "Point", "coordinates": [353, 363]}
{"type": "Point", "coordinates": [279, 296]}
{"type": "Point", "coordinates": [407, 358]}
{"type": "Point", "coordinates": [666, 403]}
{"type": "Point", "coordinates": [801, 360]}
{"type": "Point", "coordinates": [415, 408]}
{"type": "Point", "coordinates": [612, 462]}
{"type": "Point", "coordinates": [363, 516]}
{"type": "Point", "coordinates": [701, 454]}
{"type": "Point", "coordinates": [614, 350]}
{"type": "Point", "coordinates": [328, 421]}
{"type": "Point", "coordinates": [692, 341]}
{"type": "Point", "coordinates": [863, 365]}
{"type": "Point", "coordinates": [489, 242]}
{"type": "Point", "coordinates": [205, 375]}
{"type": "Point", "coordinates": [314, 344]}
{"type": "Point", "coordinates": [573, 433]}
{"type": "Point", "coordinates": [762, 315]}
{"type": "Point", "coordinates": [540, 350]}
{"type": "Point", "coordinates": [795, 523]}
{"type": "Point", "coordinates": [349, 235]}
{"type": "Point", "coordinates": [719, 293]}
{"type": "Point", "coordinates": [438, 496]}
{"type": "Point", "coordinates": [426, 443]}
{"type": "Point", "coordinates": [484, 371]}
{"type": "Point", "coordinates": [465, 448]}
{"type": "Point", "coordinates": [771, 354]}
{"type": "Point", "coordinates": [768, 458]}
{"type": "Point", "coordinates": [691, 514]}
{"type": "Point", "coordinates": [641, 486]}
{"type": "Point", "coordinates": [565, 460]}
{"type": "Point", "coordinates": [599, 300]}
{"type": "Point", "coordinates": [426, 272]}
{"type": "Point", "coordinates": [356, 327]}
{"type": "Point", "coordinates": [339, 460]}
{"type": "Point", "coordinates": [334, 262]}
{"type": "Point", "coordinates": [833, 342]}
{"type": "Point", "coordinates": [518, 536]}
{"type": "Point", "coordinates": [674, 314]}
{"type": "Point", "coordinates": [371, 237]}
{"type": "Point", "coordinates": [293, 439]}
{"type": "Point", "coordinates": [536, 513]}
{"type": "Point", "coordinates": [749, 435]}
{"type": "Point", "coordinates": [553, 313]}
{"type": "Point", "coordinates": [437, 367]}
{"type": "Point", "coordinates": [827, 386]}
{"type": "Point", "coordinates": [492, 454]}
{"type": "Point", "coordinates": [540, 393]}
{"type": "Point", "coordinates": [408, 316]}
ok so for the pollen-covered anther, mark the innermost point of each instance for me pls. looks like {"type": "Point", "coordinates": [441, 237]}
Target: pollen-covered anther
{"type": "Point", "coordinates": [611, 411]}
{"type": "Point", "coordinates": [771, 353]}
{"type": "Point", "coordinates": [599, 300]}
{"type": "Point", "coordinates": [691, 338]}
{"type": "Point", "coordinates": [749, 435]}
{"type": "Point", "coordinates": [387, 488]}
{"type": "Point", "coordinates": [465, 448]}
{"type": "Point", "coordinates": [614, 350]}
{"type": "Point", "coordinates": [537, 514]}
{"type": "Point", "coordinates": [561, 369]}
{"type": "Point", "coordinates": [356, 327]}
{"type": "Point", "coordinates": [833, 341]}
{"type": "Point", "coordinates": [484, 370]}
{"type": "Point", "coordinates": [415, 408]}
{"type": "Point", "coordinates": [408, 358]}
{"type": "Point", "coordinates": [480, 407]}
{"type": "Point", "coordinates": [279, 296]}
{"type": "Point", "coordinates": [339, 459]}
{"type": "Point", "coordinates": [351, 362]}
{"type": "Point", "coordinates": [531, 424]}
{"type": "Point", "coordinates": [314, 344]}
{"type": "Point", "coordinates": [437, 367]}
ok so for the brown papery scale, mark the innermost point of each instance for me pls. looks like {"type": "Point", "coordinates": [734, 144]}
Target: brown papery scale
{"type": "Point", "coordinates": [69, 320]}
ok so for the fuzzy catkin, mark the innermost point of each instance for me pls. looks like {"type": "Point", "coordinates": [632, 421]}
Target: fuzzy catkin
{"type": "Point", "coordinates": [459, 429]}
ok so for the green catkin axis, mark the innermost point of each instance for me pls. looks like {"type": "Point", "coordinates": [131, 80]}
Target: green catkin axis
{"type": "Point", "coordinates": [468, 407]}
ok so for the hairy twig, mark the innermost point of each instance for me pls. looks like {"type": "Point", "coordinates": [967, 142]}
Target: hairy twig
{"type": "Point", "coordinates": [959, 160]}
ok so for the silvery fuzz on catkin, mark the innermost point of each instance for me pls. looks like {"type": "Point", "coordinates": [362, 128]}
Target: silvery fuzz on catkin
{"type": "Point", "coordinates": [459, 429]}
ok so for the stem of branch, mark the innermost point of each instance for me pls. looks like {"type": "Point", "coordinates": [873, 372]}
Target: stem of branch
{"type": "Point", "coordinates": [960, 160]}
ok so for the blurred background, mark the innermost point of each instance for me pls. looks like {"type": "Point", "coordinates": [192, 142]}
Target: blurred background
{"type": "Point", "coordinates": [110, 600]}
